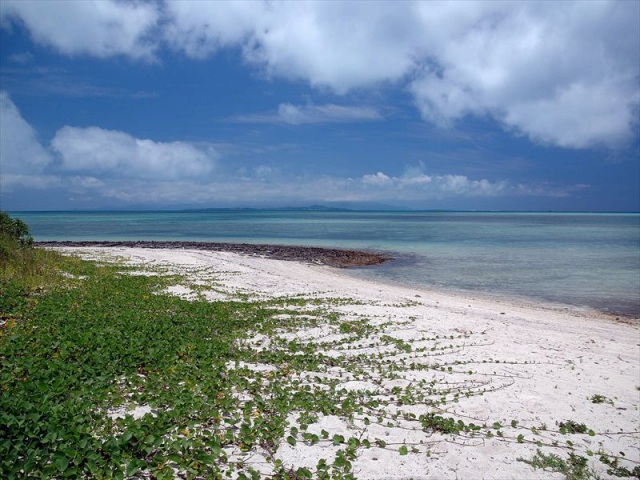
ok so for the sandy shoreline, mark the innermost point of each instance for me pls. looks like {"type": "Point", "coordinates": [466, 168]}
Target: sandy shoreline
{"type": "Point", "coordinates": [529, 368]}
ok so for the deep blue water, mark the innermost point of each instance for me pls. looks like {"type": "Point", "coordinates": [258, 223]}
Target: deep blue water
{"type": "Point", "coordinates": [580, 259]}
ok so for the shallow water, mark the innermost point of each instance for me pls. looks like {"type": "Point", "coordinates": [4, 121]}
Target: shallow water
{"type": "Point", "coordinates": [579, 259]}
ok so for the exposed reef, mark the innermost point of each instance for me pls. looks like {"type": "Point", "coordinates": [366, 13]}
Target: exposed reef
{"type": "Point", "coordinates": [325, 256]}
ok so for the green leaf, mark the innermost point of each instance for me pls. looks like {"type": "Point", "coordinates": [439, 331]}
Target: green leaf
{"type": "Point", "coordinates": [61, 462]}
{"type": "Point", "coordinates": [403, 450]}
{"type": "Point", "coordinates": [92, 466]}
{"type": "Point", "coordinates": [310, 437]}
{"type": "Point", "coordinates": [132, 467]}
{"type": "Point", "coordinates": [291, 440]}
{"type": "Point", "coordinates": [303, 473]}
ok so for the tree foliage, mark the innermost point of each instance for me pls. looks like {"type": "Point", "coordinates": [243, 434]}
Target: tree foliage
{"type": "Point", "coordinates": [15, 229]}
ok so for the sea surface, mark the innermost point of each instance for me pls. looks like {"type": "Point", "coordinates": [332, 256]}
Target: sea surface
{"type": "Point", "coordinates": [577, 259]}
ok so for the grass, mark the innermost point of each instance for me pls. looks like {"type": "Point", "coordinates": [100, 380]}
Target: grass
{"type": "Point", "coordinates": [82, 345]}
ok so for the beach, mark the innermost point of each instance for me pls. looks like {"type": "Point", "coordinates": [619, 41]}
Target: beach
{"type": "Point", "coordinates": [520, 380]}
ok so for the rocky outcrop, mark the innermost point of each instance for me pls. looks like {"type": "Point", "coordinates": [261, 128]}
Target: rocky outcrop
{"type": "Point", "coordinates": [326, 256]}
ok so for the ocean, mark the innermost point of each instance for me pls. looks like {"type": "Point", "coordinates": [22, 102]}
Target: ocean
{"type": "Point", "coordinates": [576, 259]}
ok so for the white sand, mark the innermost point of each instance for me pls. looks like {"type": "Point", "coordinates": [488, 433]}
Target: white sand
{"type": "Point", "coordinates": [551, 362]}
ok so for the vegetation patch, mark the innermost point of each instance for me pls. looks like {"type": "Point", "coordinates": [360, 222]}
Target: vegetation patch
{"type": "Point", "coordinates": [600, 399]}
{"type": "Point", "coordinates": [574, 467]}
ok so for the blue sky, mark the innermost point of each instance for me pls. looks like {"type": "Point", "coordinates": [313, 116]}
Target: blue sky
{"type": "Point", "coordinates": [431, 105]}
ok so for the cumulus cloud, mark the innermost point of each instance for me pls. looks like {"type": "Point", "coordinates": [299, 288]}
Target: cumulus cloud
{"type": "Point", "coordinates": [118, 154]}
{"type": "Point", "coordinates": [93, 27]}
{"type": "Point", "coordinates": [342, 45]}
{"type": "Point", "coordinates": [377, 179]}
{"type": "Point", "coordinates": [20, 149]}
{"type": "Point", "coordinates": [303, 114]}
{"type": "Point", "coordinates": [564, 73]}
{"type": "Point", "coordinates": [199, 29]}
{"type": "Point", "coordinates": [558, 73]}
{"type": "Point", "coordinates": [414, 186]}
{"type": "Point", "coordinates": [94, 159]}
{"type": "Point", "coordinates": [561, 73]}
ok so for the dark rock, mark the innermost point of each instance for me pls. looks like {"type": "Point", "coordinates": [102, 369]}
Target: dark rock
{"type": "Point", "coordinates": [326, 256]}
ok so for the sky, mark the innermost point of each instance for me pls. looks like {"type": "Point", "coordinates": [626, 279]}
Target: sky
{"type": "Point", "coordinates": [464, 105]}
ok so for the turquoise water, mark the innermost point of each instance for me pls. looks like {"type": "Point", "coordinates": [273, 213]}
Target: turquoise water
{"type": "Point", "coordinates": [578, 259]}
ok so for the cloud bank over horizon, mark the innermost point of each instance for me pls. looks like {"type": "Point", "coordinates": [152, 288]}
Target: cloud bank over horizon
{"type": "Point", "coordinates": [114, 166]}
{"type": "Point", "coordinates": [563, 74]}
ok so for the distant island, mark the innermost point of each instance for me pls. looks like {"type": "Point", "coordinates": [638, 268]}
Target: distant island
{"type": "Point", "coordinates": [310, 208]}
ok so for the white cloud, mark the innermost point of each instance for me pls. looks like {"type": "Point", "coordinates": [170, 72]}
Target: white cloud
{"type": "Point", "coordinates": [200, 29]}
{"type": "Point", "coordinates": [118, 154]}
{"type": "Point", "coordinates": [376, 179]}
{"type": "Point", "coordinates": [260, 186]}
{"type": "Point", "coordinates": [559, 73]}
{"type": "Point", "coordinates": [102, 28]}
{"type": "Point", "coordinates": [305, 114]}
{"type": "Point", "coordinates": [341, 45]}
{"type": "Point", "coordinates": [105, 165]}
{"type": "Point", "coordinates": [562, 73]}
{"type": "Point", "coordinates": [415, 185]}
{"type": "Point", "coordinates": [579, 116]}
{"type": "Point", "coordinates": [325, 113]}
{"type": "Point", "coordinates": [20, 149]}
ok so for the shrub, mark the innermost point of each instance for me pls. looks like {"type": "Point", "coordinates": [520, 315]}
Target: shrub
{"type": "Point", "coordinates": [14, 234]}
{"type": "Point", "coordinates": [21, 264]}
{"type": "Point", "coordinates": [15, 229]}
